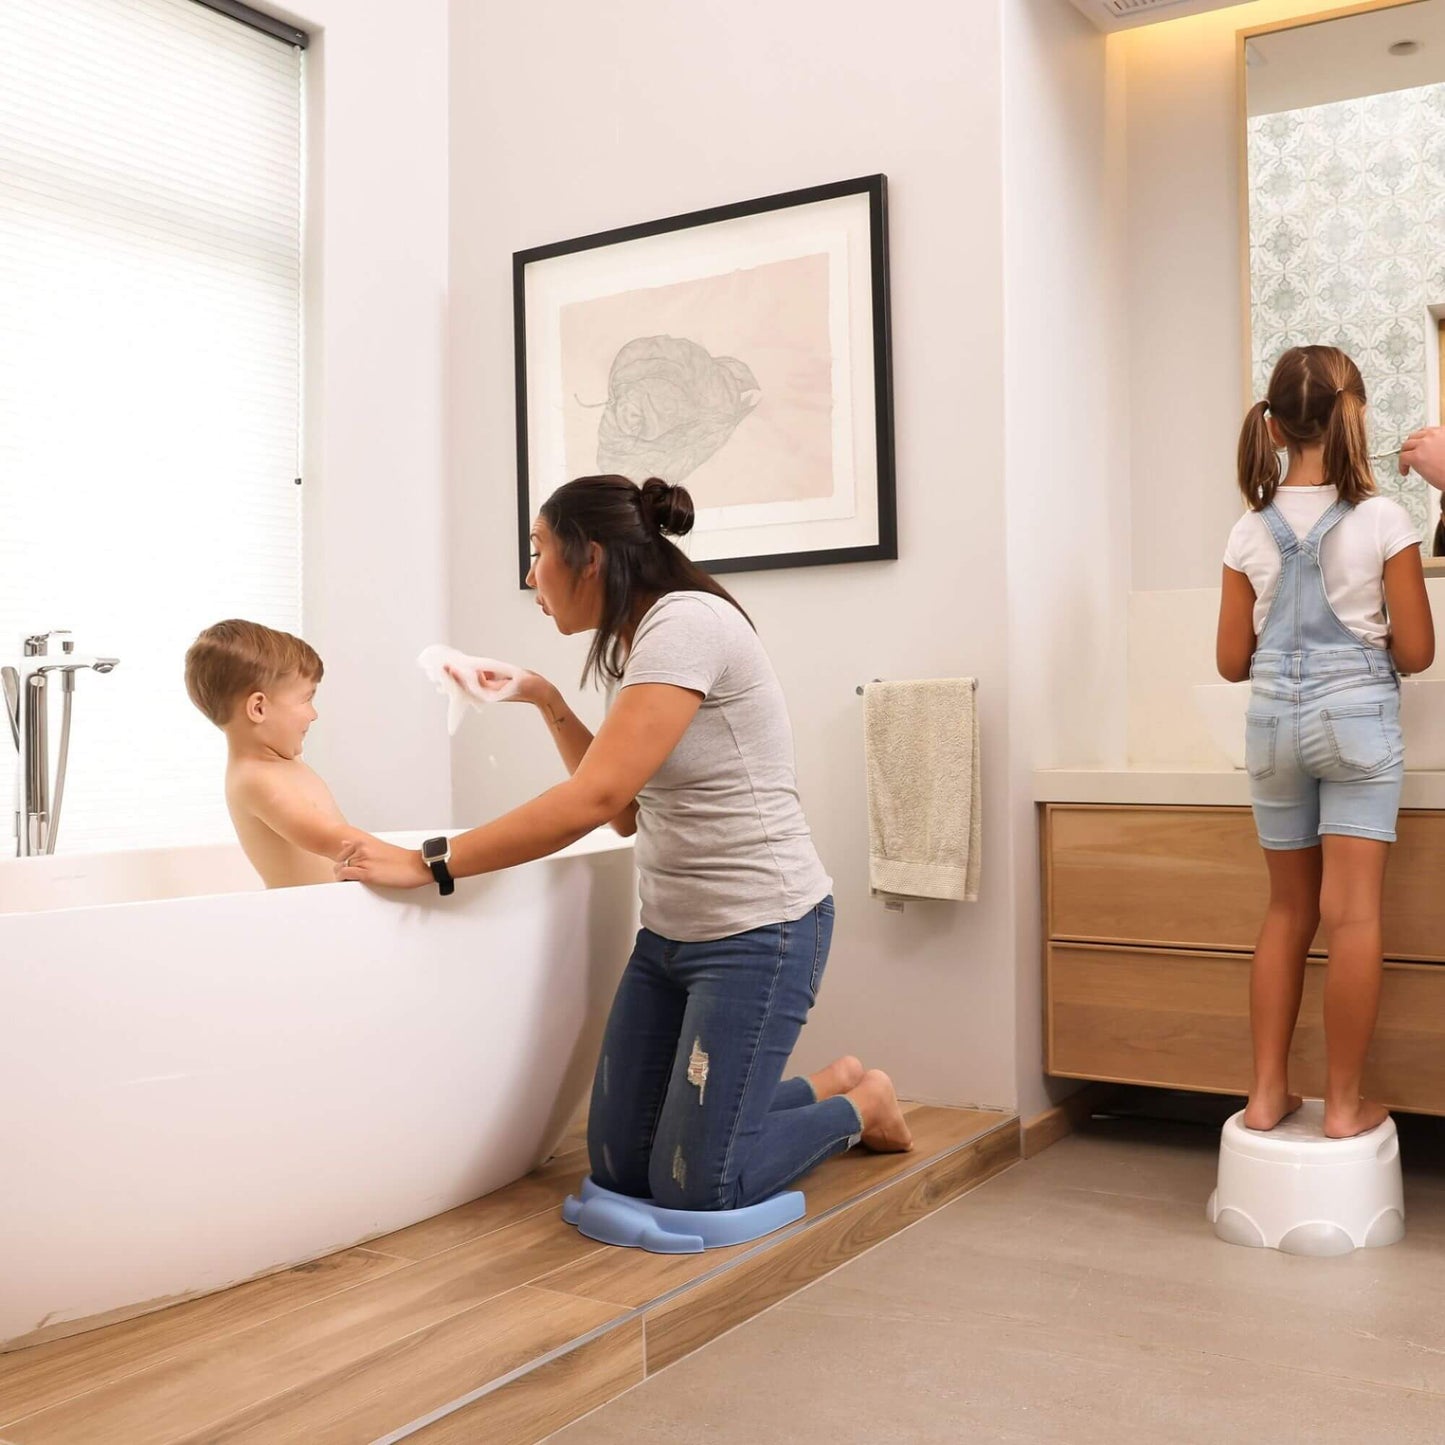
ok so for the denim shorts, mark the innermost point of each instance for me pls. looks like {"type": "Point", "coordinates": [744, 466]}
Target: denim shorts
{"type": "Point", "coordinates": [1331, 762]}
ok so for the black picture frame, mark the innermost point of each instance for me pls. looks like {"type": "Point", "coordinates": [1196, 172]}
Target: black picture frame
{"type": "Point", "coordinates": [880, 471]}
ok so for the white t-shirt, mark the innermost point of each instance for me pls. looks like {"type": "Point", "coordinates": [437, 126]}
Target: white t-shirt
{"type": "Point", "coordinates": [1352, 557]}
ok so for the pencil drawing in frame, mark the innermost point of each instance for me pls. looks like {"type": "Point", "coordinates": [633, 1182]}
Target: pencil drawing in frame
{"type": "Point", "coordinates": [742, 351]}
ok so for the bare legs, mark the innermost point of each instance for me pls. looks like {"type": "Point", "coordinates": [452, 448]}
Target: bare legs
{"type": "Point", "coordinates": [1276, 979]}
{"type": "Point", "coordinates": [885, 1130]}
{"type": "Point", "coordinates": [840, 1076]}
{"type": "Point", "coordinates": [1354, 879]}
{"type": "Point", "coordinates": [1340, 883]}
{"type": "Point", "coordinates": [871, 1092]}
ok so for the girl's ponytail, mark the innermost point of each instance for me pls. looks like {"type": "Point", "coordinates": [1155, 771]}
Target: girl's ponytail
{"type": "Point", "coordinates": [1258, 459]}
{"type": "Point", "coordinates": [1316, 398]}
{"type": "Point", "coordinates": [1347, 453]}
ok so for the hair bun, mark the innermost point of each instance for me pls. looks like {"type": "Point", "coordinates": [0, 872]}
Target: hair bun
{"type": "Point", "coordinates": [667, 507]}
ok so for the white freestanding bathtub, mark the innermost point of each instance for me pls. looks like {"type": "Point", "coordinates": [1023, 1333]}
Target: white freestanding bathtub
{"type": "Point", "coordinates": [201, 1081]}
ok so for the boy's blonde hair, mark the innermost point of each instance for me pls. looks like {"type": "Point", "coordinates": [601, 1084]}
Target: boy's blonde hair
{"type": "Point", "coordinates": [233, 659]}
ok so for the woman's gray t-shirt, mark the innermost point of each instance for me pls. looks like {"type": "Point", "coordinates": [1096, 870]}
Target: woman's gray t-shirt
{"type": "Point", "coordinates": [722, 844]}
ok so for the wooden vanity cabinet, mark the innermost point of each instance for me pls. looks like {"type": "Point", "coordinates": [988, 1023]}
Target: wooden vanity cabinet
{"type": "Point", "coordinates": [1150, 915]}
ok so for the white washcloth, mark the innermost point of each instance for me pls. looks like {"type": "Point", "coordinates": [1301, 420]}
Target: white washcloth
{"type": "Point", "coordinates": [434, 661]}
{"type": "Point", "coordinates": [925, 819]}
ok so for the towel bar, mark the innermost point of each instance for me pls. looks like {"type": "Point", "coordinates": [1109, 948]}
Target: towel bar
{"type": "Point", "coordinates": [972, 682]}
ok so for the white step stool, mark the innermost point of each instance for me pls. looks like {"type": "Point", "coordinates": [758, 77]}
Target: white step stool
{"type": "Point", "coordinates": [1295, 1190]}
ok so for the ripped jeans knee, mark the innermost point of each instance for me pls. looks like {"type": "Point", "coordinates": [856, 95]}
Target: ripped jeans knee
{"type": "Point", "coordinates": [677, 1181]}
{"type": "Point", "coordinates": [692, 1064]}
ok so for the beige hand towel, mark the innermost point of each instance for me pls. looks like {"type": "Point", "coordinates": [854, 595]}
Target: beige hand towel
{"type": "Point", "coordinates": [925, 819]}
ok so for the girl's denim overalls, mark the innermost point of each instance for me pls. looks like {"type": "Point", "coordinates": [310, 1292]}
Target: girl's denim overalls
{"type": "Point", "coordinates": [1323, 746]}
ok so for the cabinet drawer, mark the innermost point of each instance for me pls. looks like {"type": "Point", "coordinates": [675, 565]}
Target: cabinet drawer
{"type": "Point", "coordinates": [1181, 1020]}
{"type": "Point", "coordinates": [1196, 878]}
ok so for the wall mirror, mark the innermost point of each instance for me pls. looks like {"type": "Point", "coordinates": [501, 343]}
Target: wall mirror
{"type": "Point", "coordinates": [1342, 135]}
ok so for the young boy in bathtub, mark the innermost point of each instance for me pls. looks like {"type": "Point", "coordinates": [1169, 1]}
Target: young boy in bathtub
{"type": "Point", "coordinates": [257, 685]}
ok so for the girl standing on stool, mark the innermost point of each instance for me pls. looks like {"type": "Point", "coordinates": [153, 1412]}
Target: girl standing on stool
{"type": "Point", "coordinates": [689, 1105]}
{"type": "Point", "coordinates": [1323, 605]}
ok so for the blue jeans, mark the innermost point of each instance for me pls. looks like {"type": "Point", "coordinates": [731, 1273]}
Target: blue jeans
{"type": "Point", "coordinates": [689, 1106]}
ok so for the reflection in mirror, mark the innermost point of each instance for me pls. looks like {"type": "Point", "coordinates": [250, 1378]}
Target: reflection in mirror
{"type": "Point", "coordinates": [1345, 147]}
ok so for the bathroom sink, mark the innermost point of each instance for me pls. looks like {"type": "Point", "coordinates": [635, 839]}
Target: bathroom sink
{"type": "Point", "coordinates": [1222, 705]}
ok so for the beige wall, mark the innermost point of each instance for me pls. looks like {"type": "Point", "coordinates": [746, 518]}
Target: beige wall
{"type": "Point", "coordinates": [1184, 309]}
{"type": "Point", "coordinates": [376, 278]}
{"type": "Point", "coordinates": [623, 117]}
{"type": "Point", "coordinates": [994, 123]}
{"type": "Point", "coordinates": [1067, 475]}
{"type": "Point", "coordinates": [1020, 271]}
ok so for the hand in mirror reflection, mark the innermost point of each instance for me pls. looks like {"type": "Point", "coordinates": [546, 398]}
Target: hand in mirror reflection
{"type": "Point", "coordinates": [1424, 453]}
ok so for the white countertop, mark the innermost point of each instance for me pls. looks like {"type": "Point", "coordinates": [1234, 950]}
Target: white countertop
{"type": "Point", "coordinates": [1199, 787]}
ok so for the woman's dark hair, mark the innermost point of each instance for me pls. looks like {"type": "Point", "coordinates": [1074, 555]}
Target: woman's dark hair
{"type": "Point", "coordinates": [1316, 395]}
{"type": "Point", "coordinates": [631, 524]}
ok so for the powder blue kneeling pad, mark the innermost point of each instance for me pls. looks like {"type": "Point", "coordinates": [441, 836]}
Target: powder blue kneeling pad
{"type": "Point", "coordinates": [640, 1224]}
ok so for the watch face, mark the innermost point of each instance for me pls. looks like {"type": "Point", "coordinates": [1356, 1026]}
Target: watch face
{"type": "Point", "coordinates": [434, 850]}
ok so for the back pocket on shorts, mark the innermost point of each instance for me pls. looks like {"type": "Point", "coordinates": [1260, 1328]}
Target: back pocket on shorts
{"type": "Point", "coordinates": [1358, 737]}
{"type": "Point", "coordinates": [1259, 737]}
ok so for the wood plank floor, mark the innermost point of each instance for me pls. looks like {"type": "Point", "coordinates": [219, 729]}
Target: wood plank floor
{"type": "Point", "coordinates": [493, 1321]}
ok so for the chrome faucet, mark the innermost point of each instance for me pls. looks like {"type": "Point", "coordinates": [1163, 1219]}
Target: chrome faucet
{"type": "Point", "coordinates": [27, 691]}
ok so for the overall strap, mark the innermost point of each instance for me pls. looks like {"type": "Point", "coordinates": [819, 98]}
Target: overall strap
{"type": "Point", "coordinates": [1321, 529]}
{"type": "Point", "coordinates": [1283, 533]}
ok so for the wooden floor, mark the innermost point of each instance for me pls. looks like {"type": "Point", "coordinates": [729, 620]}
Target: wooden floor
{"type": "Point", "coordinates": [494, 1321]}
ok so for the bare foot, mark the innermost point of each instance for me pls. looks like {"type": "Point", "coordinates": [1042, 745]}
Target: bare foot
{"type": "Point", "coordinates": [1267, 1108]}
{"type": "Point", "coordinates": [885, 1130]}
{"type": "Point", "coordinates": [1343, 1121]}
{"type": "Point", "coordinates": [840, 1076]}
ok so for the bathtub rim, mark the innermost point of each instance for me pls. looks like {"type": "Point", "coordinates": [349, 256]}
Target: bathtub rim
{"type": "Point", "coordinates": [600, 840]}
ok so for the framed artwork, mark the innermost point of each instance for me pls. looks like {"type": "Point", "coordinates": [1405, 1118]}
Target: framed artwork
{"type": "Point", "coordinates": [742, 352]}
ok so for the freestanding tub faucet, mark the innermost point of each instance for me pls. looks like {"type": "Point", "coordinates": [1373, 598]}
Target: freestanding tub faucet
{"type": "Point", "coordinates": [27, 692]}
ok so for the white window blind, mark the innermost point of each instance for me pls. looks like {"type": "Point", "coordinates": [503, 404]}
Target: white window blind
{"type": "Point", "coordinates": [150, 354]}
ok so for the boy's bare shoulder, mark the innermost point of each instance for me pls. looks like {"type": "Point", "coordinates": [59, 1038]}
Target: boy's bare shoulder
{"type": "Point", "coordinates": [256, 780]}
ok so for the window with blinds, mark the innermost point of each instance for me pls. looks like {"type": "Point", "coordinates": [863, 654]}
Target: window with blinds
{"type": "Point", "coordinates": [150, 381]}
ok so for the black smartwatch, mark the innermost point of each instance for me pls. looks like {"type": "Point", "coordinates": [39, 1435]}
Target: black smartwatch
{"type": "Point", "coordinates": [434, 853]}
